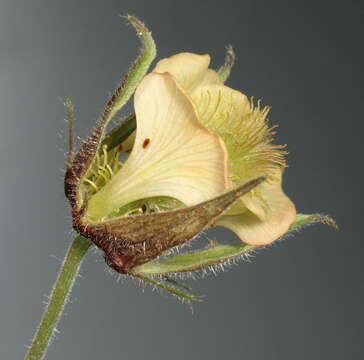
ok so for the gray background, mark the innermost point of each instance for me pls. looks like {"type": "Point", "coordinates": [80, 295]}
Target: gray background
{"type": "Point", "coordinates": [300, 299]}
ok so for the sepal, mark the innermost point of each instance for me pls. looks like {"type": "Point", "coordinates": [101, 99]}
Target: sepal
{"type": "Point", "coordinates": [225, 70]}
{"type": "Point", "coordinates": [213, 256]}
{"type": "Point", "coordinates": [84, 159]}
{"type": "Point", "coordinates": [303, 220]}
{"type": "Point", "coordinates": [137, 239]}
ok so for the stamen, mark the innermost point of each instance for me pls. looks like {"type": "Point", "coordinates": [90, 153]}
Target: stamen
{"type": "Point", "coordinates": [102, 173]}
{"type": "Point", "coordinates": [248, 137]}
{"type": "Point", "coordinates": [104, 150]}
{"type": "Point", "coordinates": [138, 211]}
{"type": "Point", "coordinates": [92, 184]}
{"type": "Point", "coordinates": [105, 167]}
{"type": "Point", "coordinates": [110, 170]}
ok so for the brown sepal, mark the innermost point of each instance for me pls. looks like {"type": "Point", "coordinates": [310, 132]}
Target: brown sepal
{"type": "Point", "coordinates": [134, 240]}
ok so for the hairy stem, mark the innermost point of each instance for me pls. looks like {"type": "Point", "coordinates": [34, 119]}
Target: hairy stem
{"type": "Point", "coordinates": [58, 298]}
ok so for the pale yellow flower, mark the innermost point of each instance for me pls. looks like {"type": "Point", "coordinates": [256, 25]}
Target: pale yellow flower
{"type": "Point", "coordinates": [195, 154]}
{"type": "Point", "coordinates": [195, 139]}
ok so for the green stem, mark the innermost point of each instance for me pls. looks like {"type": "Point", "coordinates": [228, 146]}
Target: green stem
{"type": "Point", "coordinates": [58, 299]}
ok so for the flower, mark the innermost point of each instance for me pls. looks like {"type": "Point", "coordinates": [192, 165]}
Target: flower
{"type": "Point", "coordinates": [173, 154]}
{"type": "Point", "coordinates": [265, 213]}
{"type": "Point", "coordinates": [201, 155]}
{"type": "Point", "coordinates": [196, 138]}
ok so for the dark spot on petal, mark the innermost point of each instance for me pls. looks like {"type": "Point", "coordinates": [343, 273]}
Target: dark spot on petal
{"type": "Point", "coordinates": [146, 143]}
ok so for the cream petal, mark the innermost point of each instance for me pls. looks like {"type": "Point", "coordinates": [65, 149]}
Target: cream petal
{"type": "Point", "coordinates": [221, 108]}
{"type": "Point", "coordinates": [216, 103]}
{"type": "Point", "coordinates": [247, 136]}
{"type": "Point", "coordinates": [173, 154]}
{"type": "Point", "coordinates": [242, 125]}
{"type": "Point", "coordinates": [268, 215]}
{"type": "Point", "coordinates": [190, 70]}
{"type": "Point", "coordinates": [228, 113]}
{"type": "Point", "coordinates": [210, 77]}
{"type": "Point", "coordinates": [245, 132]}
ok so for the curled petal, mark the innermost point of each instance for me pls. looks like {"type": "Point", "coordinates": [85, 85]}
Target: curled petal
{"type": "Point", "coordinates": [190, 70]}
{"type": "Point", "coordinates": [269, 215]}
{"type": "Point", "coordinates": [173, 154]}
{"type": "Point", "coordinates": [228, 113]}
{"type": "Point", "coordinates": [244, 129]}
{"type": "Point", "coordinates": [221, 108]}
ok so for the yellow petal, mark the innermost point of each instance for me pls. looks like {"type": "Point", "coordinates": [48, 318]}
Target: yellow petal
{"type": "Point", "coordinates": [221, 108]}
{"type": "Point", "coordinates": [229, 113]}
{"type": "Point", "coordinates": [173, 154]}
{"type": "Point", "coordinates": [190, 70]}
{"type": "Point", "coordinates": [243, 127]}
{"type": "Point", "coordinates": [267, 217]}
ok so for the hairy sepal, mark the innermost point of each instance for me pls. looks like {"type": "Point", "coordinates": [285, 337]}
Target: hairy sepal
{"type": "Point", "coordinates": [303, 220]}
{"type": "Point", "coordinates": [86, 155]}
{"type": "Point", "coordinates": [195, 260]}
{"type": "Point", "coordinates": [120, 132]}
{"type": "Point", "coordinates": [225, 70]}
{"type": "Point", "coordinates": [135, 240]}
{"type": "Point", "coordinates": [219, 254]}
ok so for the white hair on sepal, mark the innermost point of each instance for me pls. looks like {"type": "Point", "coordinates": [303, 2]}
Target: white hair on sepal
{"type": "Point", "coordinates": [143, 284]}
{"type": "Point", "coordinates": [214, 269]}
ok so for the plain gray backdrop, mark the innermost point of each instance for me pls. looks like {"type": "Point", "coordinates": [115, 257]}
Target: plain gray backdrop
{"type": "Point", "coordinates": [299, 299]}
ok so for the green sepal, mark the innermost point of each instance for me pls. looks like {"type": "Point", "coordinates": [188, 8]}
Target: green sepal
{"type": "Point", "coordinates": [218, 254]}
{"type": "Point", "coordinates": [172, 289]}
{"type": "Point", "coordinates": [303, 220]}
{"type": "Point", "coordinates": [119, 133]}
{"type": "Point", "coordinates": [194, 260]}
{"type": "Point", "coordinates": [83, 162]}
{"type": "Point", "coordinates": [138, 70]}
{"type": "Point", "coordinates": [225, 70]}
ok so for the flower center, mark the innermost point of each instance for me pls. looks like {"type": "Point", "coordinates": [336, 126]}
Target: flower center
{"type": "Point", "coordinates": [106, 165]}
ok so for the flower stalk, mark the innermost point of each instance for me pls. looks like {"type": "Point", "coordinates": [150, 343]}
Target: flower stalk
{"type": "Point", "coordinates": [58, 298]}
